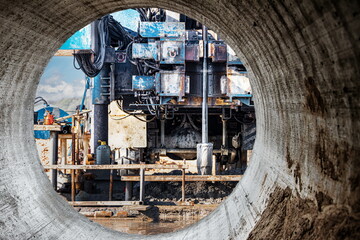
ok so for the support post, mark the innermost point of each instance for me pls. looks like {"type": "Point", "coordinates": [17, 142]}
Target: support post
{"type": "Point", "coordinates": [224, 133]}
{"type": "Point", "coordinates": [55, 139]}
{"type": "Point", "coordinates": [73, 160]}
{"type": "Point", "coordinates": [63, 144]}
{"type": "Point", "coordinates": [142, 184]}
{"type": "Point", "coordinates": [128, 191]}
{"type": "Point", "coordinates": [162, 132]}
{"type": "Point", "coordinates": [111, 185]}
{"type": "Point", "coordinates": [213, 165]}
{"type": "Point", "coordinates": [183, 184]}
{"type": "Point", "coordinates": [205, 116]}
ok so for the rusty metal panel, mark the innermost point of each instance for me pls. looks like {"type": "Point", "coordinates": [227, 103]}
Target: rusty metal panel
{"type": "Point", "coordinates": [238, 82]}
{"type": "Point", "coordinates": [172, 83]}
{"type": "Point", "coordinates": [172, 51]}
{"type": "Point", "coordinates": [192, 52]}
{"type": "Point", "coordinates": [217, 51]}
{"type": "Point", "coordinates": [143, 83]}
{"type": "Point", "coordinates": [125, 132]}
{"type": "Point", "coordinates": [146, 50]}
{"type": "Point", "coordinates": [232, 59]}
{"type": "Point", "coordinates": [162, 29]}
{"type": "Point", "coordinates": [44, 150]}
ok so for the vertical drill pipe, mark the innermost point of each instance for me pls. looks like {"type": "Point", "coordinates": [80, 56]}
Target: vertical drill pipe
{"type": "Point", "coordinates": [100, 124]}
{"type": "Point", "coordinates": [205, 120]}
{"type": "Point", "coordinates": [100, 114]}
{"type": "Point", "coordinates": [224, 133]}
{"type": "Point", "coordinates": [162, 132]}
{"type": "Point", "coordinates": [142, 184]}
{"type": "Point", "coordinates": [55, 138]}
{"type": "Point", "coordinates": [73, 160]}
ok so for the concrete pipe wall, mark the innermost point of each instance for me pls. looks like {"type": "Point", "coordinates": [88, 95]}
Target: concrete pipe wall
{"type": "Point", "coordinates": [303, 181]}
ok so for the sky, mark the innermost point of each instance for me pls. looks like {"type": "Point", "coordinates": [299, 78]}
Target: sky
{"type": "Point", "coordinates": [60, 79]}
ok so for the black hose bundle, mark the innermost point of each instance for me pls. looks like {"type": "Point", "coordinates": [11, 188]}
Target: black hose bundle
{"type": "Point", "coordinates": [151, 14]}
{"type": "Point", "coordinates": [108, 30]}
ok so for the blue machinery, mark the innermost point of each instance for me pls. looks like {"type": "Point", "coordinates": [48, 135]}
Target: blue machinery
{"type": "Point", "coordinates": [180, 77]}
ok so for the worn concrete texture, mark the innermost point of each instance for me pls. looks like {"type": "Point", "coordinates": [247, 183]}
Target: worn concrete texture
{"type": "Point", "coordinates": [304, 58]}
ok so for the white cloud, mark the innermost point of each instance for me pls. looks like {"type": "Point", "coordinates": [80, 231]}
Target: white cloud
{"type": "Point", "coordinates": [54, 89]}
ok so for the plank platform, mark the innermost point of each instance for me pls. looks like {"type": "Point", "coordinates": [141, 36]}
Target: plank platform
{"type": "Point", "coordinates": [188, 178]}
{"type": "Point", "coordinates": [122, 166]}
{"type": "Point", "coordinates": [104, 203]}
{"type": "Point", "coordinates": [47, 128]}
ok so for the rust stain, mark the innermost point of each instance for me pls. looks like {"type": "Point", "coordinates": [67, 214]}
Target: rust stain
{"type": "Point", "coordinates": [314, 100]}
{"type": "Point", "coordinates": [297, 175]}
{"type": "Point", "coordinates": [289, 161]}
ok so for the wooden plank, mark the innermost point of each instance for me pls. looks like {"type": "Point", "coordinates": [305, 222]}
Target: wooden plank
{"type": "Point", "coordinates": [69, 136]}
{"type": "Point", "coordinates": [188, 178]}
{"type": "Point", "coordinates": [64, 53]}
{"type": "Point", "coordinates": [70, 116]}
{"type": "Point", "coordinates": [47, 128]}
{"type": "Point", "coordinates": [122, 166]}
{"type": "Point", "coordinates": [68, 52]}
{"type": "Point", "coordinates": [104, 203]}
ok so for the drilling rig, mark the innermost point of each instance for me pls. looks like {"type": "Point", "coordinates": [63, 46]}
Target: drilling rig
{"type": "Point", "coordinates": [172, 88]}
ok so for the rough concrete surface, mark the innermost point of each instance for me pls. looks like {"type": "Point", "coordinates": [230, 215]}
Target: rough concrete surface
{"type": "Point", "coordinates": [304, 59]}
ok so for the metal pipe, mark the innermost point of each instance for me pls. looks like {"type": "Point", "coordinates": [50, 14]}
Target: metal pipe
{"type": "Point", "coordinates": [63, 151]}
{"type": "Point", "coordinates": [178, 150]}
{"type": "Point", "coordinates": [111, 184]}
{"type": "Point", "coordinates": [128, 191]}
{"type": "Point", "coordinates": [213, 169]}
{"type": "Point", "coordinates": [205, 89]}
{"type": "Point", "coordinates": [142, 184]}
{"type": "Point", "coordinates": [162, 132]}
{"type": "Point", "coordinates": [183, 184]}
{"type": "Point", "coordinates": [224, 133]}
{"type": "Point", "coordinates": [55, 139]}
{"type": "Point", "coordinates": [77, 151]}
{"type": "Point", "coordinates": [94, 35]}
{"type": "Point", "coordinates": [101, 126]}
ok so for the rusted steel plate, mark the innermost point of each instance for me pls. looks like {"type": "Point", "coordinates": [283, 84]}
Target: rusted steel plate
{"type": "Point", "coordinates": [126, 132]}
{"type": "Point", "coordinates": [188, 178]}
{"type": "Point", "coordinates": [162, 29]}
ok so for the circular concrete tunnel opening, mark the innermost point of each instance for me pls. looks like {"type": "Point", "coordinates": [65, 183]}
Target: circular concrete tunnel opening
{"type": "Point", "coordinates": [304, 58]}
{"type": "Point", "coordinates": [140, 131]}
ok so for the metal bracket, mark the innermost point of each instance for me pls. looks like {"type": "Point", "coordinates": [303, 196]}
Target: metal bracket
{"type": "Point", "coordinates": [224, 117]}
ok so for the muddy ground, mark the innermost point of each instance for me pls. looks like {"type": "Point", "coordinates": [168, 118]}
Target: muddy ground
{"type": "Point", "coordinates": [292, 218]}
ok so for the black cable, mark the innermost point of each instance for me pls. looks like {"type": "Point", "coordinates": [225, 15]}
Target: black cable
{"type": "Point", "coordinates": [108, 30]}
{"type": "Point", "coordinates": [132, 114]}
{"type": "Point", "coordinates": [253, 120]}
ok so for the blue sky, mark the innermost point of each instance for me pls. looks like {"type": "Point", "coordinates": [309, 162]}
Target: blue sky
{"type": "Point", "coordinates": [60, 79]}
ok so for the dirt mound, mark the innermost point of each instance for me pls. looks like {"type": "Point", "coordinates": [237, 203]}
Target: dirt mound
{"type": "Point", "coordinates": [290, 217]}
